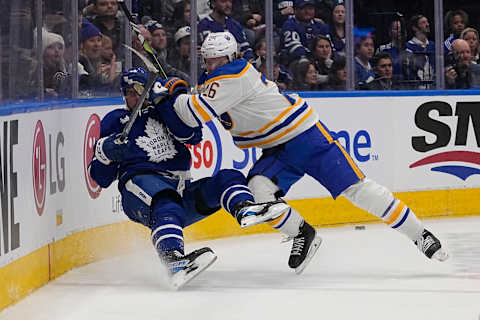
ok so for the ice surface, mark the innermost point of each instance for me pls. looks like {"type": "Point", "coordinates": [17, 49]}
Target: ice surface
{"type": "Point", "coordinates": [374, 273]}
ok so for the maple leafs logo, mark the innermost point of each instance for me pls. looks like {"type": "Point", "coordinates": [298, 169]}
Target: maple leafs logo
{"type": "Point", "coordinates": [158, 143]}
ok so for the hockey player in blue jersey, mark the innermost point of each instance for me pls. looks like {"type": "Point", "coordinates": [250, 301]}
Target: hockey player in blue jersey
{"type": "Point", "coordinates": [294, 143]}
{"type": "Point", "coordinates": [152, 168]}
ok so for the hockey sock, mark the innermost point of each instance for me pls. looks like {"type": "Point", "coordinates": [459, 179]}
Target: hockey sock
{"type": "Point", "coordinates": [167, 228]}
{"type": "Point", "coordinates": [234, 195]}
{"type": "Point", "coordinates": [288, 223]}
{"type": "Point", "coordinates": [379, 201]}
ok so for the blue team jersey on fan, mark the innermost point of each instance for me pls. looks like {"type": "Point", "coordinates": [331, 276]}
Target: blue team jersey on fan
{"type": "Point", "coordinates": [296, 37]}
{"type": "Point", "coordinates": [151, 147]}
{"type": "Point", "coordinates": [208, 25]}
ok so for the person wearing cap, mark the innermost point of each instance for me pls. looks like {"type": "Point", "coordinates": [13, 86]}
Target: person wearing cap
{"type": "Point", "coordinates": [159, 37]}
{"type": "Point", "coordinates": [181, 60]}
{"type": "Point", "coordinates": [54, 66]}
{"type": "Point", "coordinates": [299, 31]}
{"type": "Point", "coordinates": [99, 77]}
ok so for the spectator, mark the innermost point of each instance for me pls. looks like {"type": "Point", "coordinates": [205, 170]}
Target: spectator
{"type": "Point", "coordinates": [249, 14]}
{"type": "Point", "coordinates": [219, 20]}
{"type": "Point", "coordinates": [54, 67]}
{"type": "Point", "coordinates": [471, 36]}
{"type": "Point", "coordinates": [304, 76]}
{"type": "Point", "coordinates": [420, 58]}
{"type": "Point", "coordinates": [108, 21]}
{"type": "Point", "coordinates": [109, 59]}
{"type": "Point", "coordinates": [182, 14]}
{"type": "Point", "coordinates": [282, 10]}
{"type": "Point", "coordinates": [322, 57]}
{"type": "Point", "coordinates": [168, 68]}
{"type": "Point", "coordinates": [158, 34]}
{"type": "Point", "coordinates": [182, 54]}
{"type": "Point", "coordinates": [396, 47]}
{"type": "Point", "coordinates": [299, 31]}
{"type": "Point", "coordinates": [460, 73]}
{"type": "Point", "coordinates": [455, 22]}
{"type": "Point", "coordinates": [281, 75]}
{"type": "Point", "coordinates": [337, 27]}
{"type": "Point", "coordinates": [383, 67]}
{"type": "Point", "coordinates": [98, 78]}
{"type": "Point", "coordinates": [161, 11]}
{"type": "Point", "coordinates": [364, 50]}
{"type": "Point", "coordinates": [337, 78]}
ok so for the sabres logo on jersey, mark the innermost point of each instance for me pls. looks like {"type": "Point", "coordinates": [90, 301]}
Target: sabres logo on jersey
{"type": "Point", "coordinates": [158, 143]}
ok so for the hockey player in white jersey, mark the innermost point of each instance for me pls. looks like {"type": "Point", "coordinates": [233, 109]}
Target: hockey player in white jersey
{"type": "Point", "coordinates": [294, 143]}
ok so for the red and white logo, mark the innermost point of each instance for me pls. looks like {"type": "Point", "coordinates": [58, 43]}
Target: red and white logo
{"type": "Point", "coordinates": [39, 167]}
{"type": "Point", "coordinates": [92, 133]}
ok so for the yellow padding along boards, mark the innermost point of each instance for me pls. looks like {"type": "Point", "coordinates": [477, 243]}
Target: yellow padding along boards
{"type": "Point", "coordinates": [22, 276]}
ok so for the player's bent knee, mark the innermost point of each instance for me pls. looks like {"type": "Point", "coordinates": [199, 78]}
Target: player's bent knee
{"type": "Point", "coordinates": [263, 188]}
{"type": "Point", "coordinates": [370, 196]}
{"type": "Point", "coordinates": [229, 176]}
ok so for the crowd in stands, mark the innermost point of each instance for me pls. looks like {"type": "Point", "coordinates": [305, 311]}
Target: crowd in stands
{"type": "Point", "coordinates": [309, 45]}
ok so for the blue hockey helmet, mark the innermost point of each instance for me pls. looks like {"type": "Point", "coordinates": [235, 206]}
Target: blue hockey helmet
{"type": "Point", "coordinates": [135, 78]}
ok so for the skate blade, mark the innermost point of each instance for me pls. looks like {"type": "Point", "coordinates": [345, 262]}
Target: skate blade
{"type": "Point", "coordinates": [441, 255]}
{"type": "Point", "coordinates": [317, 241]}
{"type": "Point", "coordinates": [181, 278]}
{"type": "Point", "coordinates": [273, 212]}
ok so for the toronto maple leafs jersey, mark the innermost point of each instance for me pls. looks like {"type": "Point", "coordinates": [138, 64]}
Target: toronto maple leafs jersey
{"type": "Point", "coordinates": [208, 25]}
{"type": "Point", "coordinates": [296, 37]}
{"type": "Point", "coordinates": [151, 147]}
{"type": "Point", "coordinates": [251, 107]}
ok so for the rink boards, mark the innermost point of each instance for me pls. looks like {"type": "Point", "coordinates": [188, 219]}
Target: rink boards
{"type": "Point", "coordinates": [425, 148]}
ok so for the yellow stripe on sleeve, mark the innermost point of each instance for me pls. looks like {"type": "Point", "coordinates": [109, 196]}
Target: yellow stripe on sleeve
{"type": "Point", "coordinates": [200, 110]}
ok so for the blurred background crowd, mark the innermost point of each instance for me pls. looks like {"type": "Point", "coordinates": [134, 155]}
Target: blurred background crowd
{"type": "Point", "coordinates": [64, 49]}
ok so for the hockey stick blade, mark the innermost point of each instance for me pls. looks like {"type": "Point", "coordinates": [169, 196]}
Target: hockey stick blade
{"type": "Point", "coordinates": [149, 64]}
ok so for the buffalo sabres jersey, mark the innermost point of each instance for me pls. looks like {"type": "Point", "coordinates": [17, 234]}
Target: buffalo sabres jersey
{"type": "Point", "coordinates": [151, 147]}
{"type": "Point", "coordinates": [251, 107]}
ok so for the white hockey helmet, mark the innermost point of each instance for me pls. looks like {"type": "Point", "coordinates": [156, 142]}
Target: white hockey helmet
{"type": "Point", "coordinates": [219, 44]}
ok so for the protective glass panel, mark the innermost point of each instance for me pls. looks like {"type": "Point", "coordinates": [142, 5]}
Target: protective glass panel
{"type": "Point", "coordinates": [461, 45]}
{"type": "Point", "coordinates": [394, 45]}
{"type": "Point", "coordinates": [19, 64]}
{"type": "Point", "coordinates": [167, 28]}
{"type": "Point", "coordinates": [101, 51]}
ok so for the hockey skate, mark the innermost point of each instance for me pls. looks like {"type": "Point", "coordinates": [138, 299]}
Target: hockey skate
{"type": "Point", "coordinates": [249, 214]}
{"type": "Point", "coordinates": [183, 268]}
{"type": "Point", "coordinates": [304, 247]}
{"type": "Point", "coordinates": [431, 246]}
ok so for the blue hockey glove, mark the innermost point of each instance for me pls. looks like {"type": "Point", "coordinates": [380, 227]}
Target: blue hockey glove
{"type": "Point", "coordinates": [110, 149]}
{"type": "Point", "coordinates": [175, 86]}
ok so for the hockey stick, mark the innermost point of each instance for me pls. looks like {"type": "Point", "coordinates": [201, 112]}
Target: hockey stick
{"type": "Point", "coordinates": [153, 75]}
{"type": "Point", "coordinates": [148, 49]}
{"type": "Point", "coordinates": [155, 69]}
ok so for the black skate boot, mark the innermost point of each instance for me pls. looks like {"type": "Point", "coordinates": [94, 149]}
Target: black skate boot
{"type": "Point", "coordinates": [249, 213]}
{"type": "Point", "coordinates": [184, 268]}
{"type": "Point", "coordinates": [431, 246]}
{"type": "Point", "coordinates": [304, 247]}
